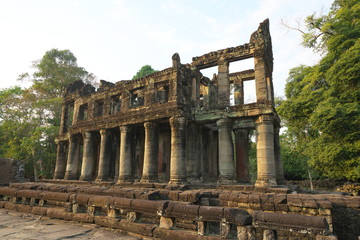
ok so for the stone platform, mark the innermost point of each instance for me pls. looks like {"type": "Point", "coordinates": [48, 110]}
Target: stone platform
{"type": "Point", "coordinates": [235, 212]}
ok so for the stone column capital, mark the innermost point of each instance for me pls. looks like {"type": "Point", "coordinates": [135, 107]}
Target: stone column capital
{"type": "Point", "coordinates": [223, 63]}
{"type": "Point", "coordinates": [177, 122]}
{"type": "Point", "coordinates": [150, 125]}
{"type": "Point", "coordinates": [103, 131]}
{"type": "Point", "coordinates": [264, 118]}
{"type": "Point", "coordinates": [224, 123]}
{"type": "Point", "coordinates": [72, 137]}
{"type": "Point", "coordinates": [125, 128]}
{"type": "Point", "coordinates": [86, 135]}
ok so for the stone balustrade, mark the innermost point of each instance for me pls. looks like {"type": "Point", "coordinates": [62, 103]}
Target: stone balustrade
{"type": "Point", "coordinates": [291, 215]}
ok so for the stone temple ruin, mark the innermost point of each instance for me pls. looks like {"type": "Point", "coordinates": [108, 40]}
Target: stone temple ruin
{"type": "Point", "coordinates": [175, 125]}
{"type": "Point", "coordinates": [166, 157]}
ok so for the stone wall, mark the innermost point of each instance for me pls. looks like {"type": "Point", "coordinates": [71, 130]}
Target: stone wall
{"type": "Point", "coordinates": [11, 170]}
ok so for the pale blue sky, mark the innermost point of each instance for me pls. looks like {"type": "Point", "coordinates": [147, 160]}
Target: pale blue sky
{"type": "Point", "coordinates": [114, 38]}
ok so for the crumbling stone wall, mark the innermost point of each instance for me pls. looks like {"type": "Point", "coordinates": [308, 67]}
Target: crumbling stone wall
{"type": "Point", "coordinates": [11, 170]}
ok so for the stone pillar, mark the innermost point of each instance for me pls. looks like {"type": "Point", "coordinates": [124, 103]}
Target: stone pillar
{"type": "Point", "coordinates": [105, 156]}
{"type": "Point", "coordinates": [150, 168]}
{"type": "Point", "coordinates": [88, 160]}
{"type": "Point", "coordinates": [223, 84]}
{"type": "Point", "coordinates": [117, 157]}
{"type": "Point", "coordinates": [242, 154]}
{"type": "Point", "coordinates": [239, 93]}
{"type": "Point", "coordinates": [194, 148]}
{"type": "Point", "coordinates": [178, 145]}
{"type": "Point", "coordinates": [260, 79]}
{"type": "Point", "coordinates": [226, 152]}
{"type": "Point", "coordinates": [266, 171]}
{"type": "Point", "coordinates": [60, 160]}
{"type": "Point", "coordinates": [63, 119]}
{"type": "Point", "coordinates": [126, 173]}
{"type": "Point", "coordinates": [72, 166]}
{"type": "Point", "coordinates": [280, 179]}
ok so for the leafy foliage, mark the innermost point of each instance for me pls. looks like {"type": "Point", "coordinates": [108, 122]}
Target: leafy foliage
{"type": "Point", "coordinates": [144, 70]}
{"type": "Point", "coordinates": [30, 118]}
{"type": "Point", "coordinates": [322, 110]}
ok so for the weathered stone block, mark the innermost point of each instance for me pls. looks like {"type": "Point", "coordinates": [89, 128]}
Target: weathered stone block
{"type": "Point", "coordinates": [83, 217]}
{"type": "Point", "coordinates": [59, 213]}
{"type": "Point", "coordinates": [294, 200]}
{"type": "Point", "coordinates": [5, 191]}
{"type": "Point", "coordinates": [148, 206]}
{"type": "Point", "coordinates": [106, 221]}
{"type": "Point", "coordinates": [100, 201]}
{"type": "Point", "coordinates": [225, 195]}
{"type": "Point", "coordinates": [237, 216]}
{"type": "Point", "coordinates": [55, 196]}
{"type": "Point", "coordinates": [39, 210]}
{"type": "Point", "coordinates": [209, 213]}
{"type": "Point", "coordinates": [246, 233]}
{"type": "Point", "coordinates": [352, 202]}
{"type": "Point", "coordinates": [174, 195]}
{"type": "Point", "coordinates": [143, 229]}
{"type": "Point", "coordinates": [120, 203]}
{"type": "Point", "coordinates": [167, 223]}
{"type": "Point", "coordinates": [82, 198]}
{"type": "Point", "coordinates": [324, 203]}
{"type": "Point", "coordinates": [24, 208]}
{"type": "Point", "coordinates": [182, 210]}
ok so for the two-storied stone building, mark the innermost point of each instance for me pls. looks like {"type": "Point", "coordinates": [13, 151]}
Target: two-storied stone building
{"type": "Point", "coordinates": [175, 125]}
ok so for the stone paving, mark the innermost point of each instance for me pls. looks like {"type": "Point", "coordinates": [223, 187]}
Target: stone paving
{"type": "Point", "coordinates": [14, 225]}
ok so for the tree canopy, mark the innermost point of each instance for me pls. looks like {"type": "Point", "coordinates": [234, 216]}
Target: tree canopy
{"type": "Point", "coordinates": [322, 109]}
{"type": "Point", "coordinates": [30, 118]}
{"type": "Point", "coordinates": [144, 70]}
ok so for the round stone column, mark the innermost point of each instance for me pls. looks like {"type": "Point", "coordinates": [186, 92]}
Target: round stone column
{"type": "Point", "coordinates": [72, 166]}
{"type": "Point", "coordinates": [150, 168]}
{"type": "Point", "coordinates": [280, 179]}
{"type": "Point", "coordinates": [60, 160]}
{"type": "Point", "coordinates": [194, 148]}
{"type": "Point", "coordinates": [242, 154]}
{"type": "Point", "coordinates": [266, 170]}
{"type": "Point", "coordinates": [88, 160]}
{"type": "Point", "coordinates": [126, 173]}
{"type": "Point", "coordinates": [104, 158]}
{"type": "Point", "coordinates": [226, 152]}
{"type": "Point", "coordinates": [178, 148]}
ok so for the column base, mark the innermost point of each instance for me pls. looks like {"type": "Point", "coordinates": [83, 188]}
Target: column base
{"type": "Point", "coordinates": [177, 181]}
{"type": "Point", "coordinates": [149, 179]}
{"type": "Point", "coordinates": [58, 175]}
{"type": "Point", "coordinates": [265, 183]}
{"type": "Point", "coordinates": [70, 177]}
{"type": "Point", "coordinates": [281, 181]}
{"type": "Point", "coordinates": [194, 180]}
{"type": "Point", "coordinates": [86, 178]}
{"type": "Point", "coordinates": [102, 179]}
{"type": "Point", "coordinates": [227, 181]}
{"type": "Point", "coordinates": [243, 180]}
{"type": "Point", "coordinates": [125, 179]}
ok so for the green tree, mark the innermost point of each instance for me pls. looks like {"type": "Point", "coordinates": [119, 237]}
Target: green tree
{"type": "Point", "coordinates": [322, 110]}
{"type": "Point", "coordinates": [30, 118]}
{"type": "Point", "coordinates": [144, 70]}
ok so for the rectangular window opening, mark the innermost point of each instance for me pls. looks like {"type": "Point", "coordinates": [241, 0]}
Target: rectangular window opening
{"type": "Point", "coordinates": [115, 104]}
{"type": "Point", "coordinates": [98, 108]}
{"type": "Point", "coordinates": [137, 98]}
{"type": "Point", "coordinates": [249, 92]}
{"type": "Point", "coordinates": [241, 65]}
{"type": "Point", "coordinates": [83, 112]}
{"type": "Point", "coordinates": [162, 94]}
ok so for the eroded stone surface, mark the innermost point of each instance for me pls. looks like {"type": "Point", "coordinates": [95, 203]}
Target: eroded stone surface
{"type": "Point", "coordinates": [26, 226]}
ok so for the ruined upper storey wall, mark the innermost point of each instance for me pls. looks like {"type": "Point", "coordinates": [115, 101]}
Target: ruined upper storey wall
{"type": "Point", "coordinates": [180, 90]}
